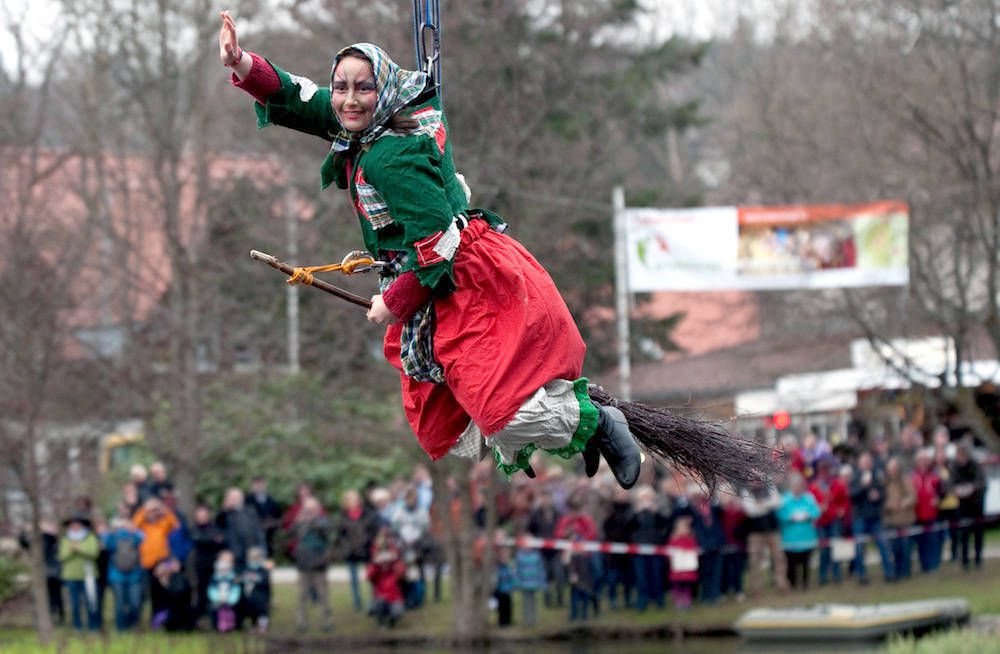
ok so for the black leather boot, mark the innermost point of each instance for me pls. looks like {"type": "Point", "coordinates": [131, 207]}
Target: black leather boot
{"type": "Point", "coordinates": [592, 456]}
{"type": "Point", "coordinates": [617, 445]}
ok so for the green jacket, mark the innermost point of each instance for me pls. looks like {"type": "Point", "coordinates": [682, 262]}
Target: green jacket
{"type": "Point", "coordinates": [403, 187]}
{"type": "Point", "coordinates": [74, 562]}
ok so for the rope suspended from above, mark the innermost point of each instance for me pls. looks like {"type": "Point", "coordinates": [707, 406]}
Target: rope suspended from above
{"type": "Point", "coordinates": [427, 24]}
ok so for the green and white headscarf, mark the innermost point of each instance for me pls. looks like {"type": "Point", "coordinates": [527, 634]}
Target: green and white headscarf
{"type": "Point", "coordinates": [396, 87]}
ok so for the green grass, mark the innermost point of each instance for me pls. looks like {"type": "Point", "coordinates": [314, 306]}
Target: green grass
{"type": "Point", "coordinates": [950, 642]}
{"type": "Point", "coordinates": [25, 642]}
{"type": "Point", "coordinates": [435, 619]}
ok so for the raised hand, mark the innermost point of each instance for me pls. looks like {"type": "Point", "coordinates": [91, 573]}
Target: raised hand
{"type": "Point", "coordinates": [230, 51]}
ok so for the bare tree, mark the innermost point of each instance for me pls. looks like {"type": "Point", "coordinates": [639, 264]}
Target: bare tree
{"type": "Point", "coordinates": [865, 100]}
{"type": "Point", "coordinates": [460, 488]}
{"type": "Point", "coordinates": [40, 255]}
{"type": "Point", "coordinates": [144, 124]}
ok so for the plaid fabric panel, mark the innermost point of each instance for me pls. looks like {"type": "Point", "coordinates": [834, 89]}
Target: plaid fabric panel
{"type": "Point", "coordinates": [370, 203]}
{"type": "Point", "coordinates": [388, 273]}
{"type": "Point", "coordinates": [417, 347]}
{"type": "Point", "coordinates": [417, 337]}
{"type": "Point", "coordinates": [429, 123]}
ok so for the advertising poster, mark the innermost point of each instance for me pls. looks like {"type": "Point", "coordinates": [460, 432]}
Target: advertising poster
{"type": "Point", "coordinates": [761, 248]}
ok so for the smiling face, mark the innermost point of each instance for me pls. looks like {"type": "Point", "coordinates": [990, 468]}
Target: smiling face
{"type": "Point", "coordinates": [353, 93]}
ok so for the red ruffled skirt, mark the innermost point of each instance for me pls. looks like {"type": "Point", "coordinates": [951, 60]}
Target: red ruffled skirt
{"type": "Point", "coordinates": [501, 335]}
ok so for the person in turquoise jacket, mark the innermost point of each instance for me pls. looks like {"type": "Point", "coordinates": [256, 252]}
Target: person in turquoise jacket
{"type": "Point", "coordinates": [224, 593]}
{"type": "Point", "coordinates": [489, 356]}
{"type": "Point", "coordinates": [78, 552]}
{"type": "Point", "coordinates": [797, 517]}
{"type": "Point", "coordinates": [529, 579]}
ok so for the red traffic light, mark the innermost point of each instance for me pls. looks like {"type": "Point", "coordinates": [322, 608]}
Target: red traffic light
{"type": "Point", "coordinates": [781, 420]}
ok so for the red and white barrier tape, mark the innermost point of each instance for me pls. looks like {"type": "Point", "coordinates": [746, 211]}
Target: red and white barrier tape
{"type": "Point", "coordinates": [532, 542]}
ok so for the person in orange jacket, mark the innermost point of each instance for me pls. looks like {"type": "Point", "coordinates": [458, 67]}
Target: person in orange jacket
{"type": "Point", "coordinates": [155, 521]}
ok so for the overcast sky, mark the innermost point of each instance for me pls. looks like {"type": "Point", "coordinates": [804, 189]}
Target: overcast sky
{"type": "Point", "coordinates": [698, 18]}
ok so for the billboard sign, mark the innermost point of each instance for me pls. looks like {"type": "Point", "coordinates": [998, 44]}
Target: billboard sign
{"type": "Point", "coordinates": [761, 248]}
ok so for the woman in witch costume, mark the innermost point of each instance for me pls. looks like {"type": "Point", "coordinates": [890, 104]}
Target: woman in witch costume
{"type": "Point", "coordinates": [488, 354]}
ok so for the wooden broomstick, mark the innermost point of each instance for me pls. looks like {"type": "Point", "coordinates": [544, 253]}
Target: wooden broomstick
{"type": "Point", "coordinates": [702, 447]}
{"type": "Point", "coordinates": [304, 276]}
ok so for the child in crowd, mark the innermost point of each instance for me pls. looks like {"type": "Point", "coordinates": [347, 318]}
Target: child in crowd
{"type": "Point", "coordinates": [255, 582]}
{"type": "Point", "coordinates": [683, 563]}
{"type": "Point", "coordinates": [174, 591]}
{"type": "Point", "coordinates": [385, 573]}
{"type": "Point", "coordinates": [208, 540]}
{"type": "Point", "coordinates": [224, 593]}
{"type": "Point", "coordinates": [529, 578]}
{"type": "Point", "coordinates": [504, 588]}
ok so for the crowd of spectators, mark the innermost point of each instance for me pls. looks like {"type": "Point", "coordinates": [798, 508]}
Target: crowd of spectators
{"type": "Point", "coordinates": [213, 569]}
{"type": "Point", "coordinates": [901, 496]}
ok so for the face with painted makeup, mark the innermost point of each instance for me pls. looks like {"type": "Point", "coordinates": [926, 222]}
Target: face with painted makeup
{"type": "Point", "coordinates": [353, 93]}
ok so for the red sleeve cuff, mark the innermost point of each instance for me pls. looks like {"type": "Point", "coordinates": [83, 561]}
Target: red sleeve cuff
{"type": "Point", "coordinates": [262, 82]}
{"type": "Point", "coordinates": [405, 295]}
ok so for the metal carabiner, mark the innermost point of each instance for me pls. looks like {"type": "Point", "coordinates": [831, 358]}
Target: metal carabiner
{"type": "Point", "coordinates": [427, 18]}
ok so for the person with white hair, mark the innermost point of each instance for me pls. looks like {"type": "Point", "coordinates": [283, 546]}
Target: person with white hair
{"type": "Point", "coordinates": [240, 527]}
{"type": "Point", "coordinates": [381, 499]}
{"type": "Point", "coordinates": [760, 504]}
{"type": "Point", "coordinates": [159, 483]}
{"type": "Point", "coordinates": [140, 478]}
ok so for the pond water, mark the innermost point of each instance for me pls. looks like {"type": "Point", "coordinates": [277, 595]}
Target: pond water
{"type": "Point", "coordinates": [689, 646]}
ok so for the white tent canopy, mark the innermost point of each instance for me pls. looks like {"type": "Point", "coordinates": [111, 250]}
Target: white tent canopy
{"type": "Point", "coordinates": [894, 365]}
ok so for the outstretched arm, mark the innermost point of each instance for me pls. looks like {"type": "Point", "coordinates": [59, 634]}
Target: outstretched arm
{"type": "Point", "coordinates": [282, 99]}
{"type": "Point", "coordinates": [230, 52]}
{"type": "Point", "coordinates": [250, 72]}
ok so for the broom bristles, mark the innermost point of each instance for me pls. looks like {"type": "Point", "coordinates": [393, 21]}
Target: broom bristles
{"type": "Point", "coordinates": [705, 448]}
